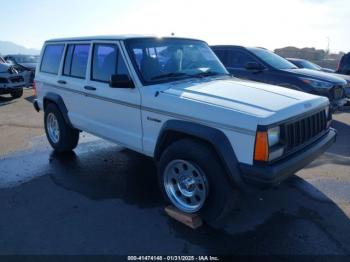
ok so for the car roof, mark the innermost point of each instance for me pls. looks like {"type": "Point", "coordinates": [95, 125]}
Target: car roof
{"type": "Point", "coordinates": [295, 59]}
{"type": "Point", "coordinates": [113, 37]}
{"type": "Point", "coordinates": [226, 46]}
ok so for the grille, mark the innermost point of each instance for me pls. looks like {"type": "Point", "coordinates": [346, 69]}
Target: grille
{"type": "Point", "coordinates": [16, 79]}
{"type": "Point", "coordinates": [304, 130]}
{"type": "Point", "coordinates": [338, 92]}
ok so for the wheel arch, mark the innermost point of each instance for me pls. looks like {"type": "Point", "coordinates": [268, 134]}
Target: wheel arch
{"type": "Point", "coordinates": [58, 101]}
{"type": "Point", "coordinates": [174, 130]}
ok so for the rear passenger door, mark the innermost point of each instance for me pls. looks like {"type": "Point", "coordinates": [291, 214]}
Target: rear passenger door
{"type": "Point", "coordinates": [113, 113]}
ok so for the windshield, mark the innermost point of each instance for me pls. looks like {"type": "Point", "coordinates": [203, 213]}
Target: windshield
{"type": "Point", "coordinates": [272, 59]}
{"type": "Point", "coordinates": [163, 60]}
{"type": "Point", "coordinates": [26, 59]}
{"type": "Point", "coordinates": [309, 65]}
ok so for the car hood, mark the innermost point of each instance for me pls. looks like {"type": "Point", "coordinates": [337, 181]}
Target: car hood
{"type": "Point", "coordinates": [303, 72]}
{"type": "Point", "coordinates": [4, 68]}
{"type": "Point", "coordinates": [251, 98]}
{"type": "Point", "coordinates": [28, 65]}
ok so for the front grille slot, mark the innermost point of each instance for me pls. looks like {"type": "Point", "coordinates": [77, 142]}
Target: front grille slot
{"type": "Point", "coordinates": [16, 79]}
{"type": "Point", "coordinates": [302, 131]}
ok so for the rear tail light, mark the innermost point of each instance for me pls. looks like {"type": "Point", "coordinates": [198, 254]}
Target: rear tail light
{"type": "Point", "coordinates": [34, 88]}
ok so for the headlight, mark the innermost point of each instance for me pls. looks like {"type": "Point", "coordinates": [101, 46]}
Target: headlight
{"type": "Point", "coordinates": [317, 83]}
{"type": "Point", "coordinates": [273, 135]}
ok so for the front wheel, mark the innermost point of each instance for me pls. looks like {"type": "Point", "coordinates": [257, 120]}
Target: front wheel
{"type": "Point", "coordinates": [59, 134]}
{"type": "Point", "coordinates": [17, 93]}
{"type": "Point", "coordinates": [193, 179]}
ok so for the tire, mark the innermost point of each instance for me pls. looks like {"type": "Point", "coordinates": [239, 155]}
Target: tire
{"type": "Point", "coordinates": [17, 94]}
{"type": "Point", "coordinates": [67, 138]}
{"type": "Point", "coordinates": [220, 193]}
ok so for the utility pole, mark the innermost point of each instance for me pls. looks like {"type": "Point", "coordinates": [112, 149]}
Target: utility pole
{"type": "Point", "coordinates": [328, 48]}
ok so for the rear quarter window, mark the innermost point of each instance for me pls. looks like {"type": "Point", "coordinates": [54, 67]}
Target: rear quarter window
{"type": "Point", "coordinates": [51, 59]}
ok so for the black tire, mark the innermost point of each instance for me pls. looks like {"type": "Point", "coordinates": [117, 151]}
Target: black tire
{"type": "Point", "coordinates": [222, 195]}
{"type": "Point", "coordinates": [17, 94]}
{"type": "Point", "coordinates": [68, 137]}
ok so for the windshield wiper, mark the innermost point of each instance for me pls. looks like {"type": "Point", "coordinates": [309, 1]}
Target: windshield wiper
{"type": "Point", "coordinates": [170, 75]}
{"type": "Point", "coordinates": [208, 73]}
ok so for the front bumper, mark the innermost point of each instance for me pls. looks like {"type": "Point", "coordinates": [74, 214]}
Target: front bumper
{"type": "Point", "coordinates": [279, 171]}
{"type": "Point", "coordinates": [8, 90]}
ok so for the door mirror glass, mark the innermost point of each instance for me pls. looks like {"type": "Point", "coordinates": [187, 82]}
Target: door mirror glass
{"type": "Point", "coordinates": [121, 81]}
{"type": "Point", "coordinates": [254, 66]}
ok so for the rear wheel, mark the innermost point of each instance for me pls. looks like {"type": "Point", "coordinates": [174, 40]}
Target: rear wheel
{"type": "Point", "coordinates": [60, 135]}
{"type": "Point", "coordinates": [17, 93]}
{"type": "Point", "coordinates": [193, 179]}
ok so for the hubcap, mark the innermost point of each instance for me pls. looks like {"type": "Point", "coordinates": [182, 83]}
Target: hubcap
{"type": "Point", "coordinates": [53, 128]}
{"type": "Point", "coordinates": [186, 185]}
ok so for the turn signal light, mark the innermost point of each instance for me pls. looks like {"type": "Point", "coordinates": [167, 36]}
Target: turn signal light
{"type": "Point", "coordinates": [261, 152]}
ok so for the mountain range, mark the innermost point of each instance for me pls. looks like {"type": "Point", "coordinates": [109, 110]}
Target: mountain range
{"type": "Point", "coordinates": [7, 47]}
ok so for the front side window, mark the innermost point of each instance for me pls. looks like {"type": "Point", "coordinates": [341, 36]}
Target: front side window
{"type": "Point", "coordinates": [76, 60]}
{"type": "Point", "coordinates": [237, 59]}
{"type": "Point", "coordinates": [107, 61]}
{"type": "Point", "coordinates": [163, 60]}
{"type": "Point", "coordinates": [272, 59]}
{"type": "Point", "coordinates": [51, 59]}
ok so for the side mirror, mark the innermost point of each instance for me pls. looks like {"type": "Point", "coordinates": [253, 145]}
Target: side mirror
{"type": "Point", "coordinates": [121, 81]}
{"type": "Point", "coordinates": [254, 66]}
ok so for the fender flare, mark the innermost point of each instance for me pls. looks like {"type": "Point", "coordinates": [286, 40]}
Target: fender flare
{"type": "Point", "coordinates": [216, 138]}
{"type": "Point", "coordinates": [58, 101]}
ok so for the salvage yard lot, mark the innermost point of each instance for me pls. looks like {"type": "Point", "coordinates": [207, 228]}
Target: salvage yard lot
{"type": "Point", "coordinates": [104, 199]}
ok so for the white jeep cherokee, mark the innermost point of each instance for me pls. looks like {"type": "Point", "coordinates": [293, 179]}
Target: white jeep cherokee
{"type": "Point", "coordinates": [171, 99]}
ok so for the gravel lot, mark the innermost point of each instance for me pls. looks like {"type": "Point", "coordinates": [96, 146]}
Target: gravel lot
{"type": "Point", "coordinates": [103, 199]}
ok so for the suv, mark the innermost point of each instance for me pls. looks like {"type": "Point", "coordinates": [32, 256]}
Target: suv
{"type": "Point", "coordinates": [261, 65]}
{"type": "Point", "coordinates": [171, 99]}
{"type": "Point", "coordinates": [11, 82]}
{"type": "Point", "coordinates": [344, 65]}
{"type": "Point", "coordinates": [25, 64]}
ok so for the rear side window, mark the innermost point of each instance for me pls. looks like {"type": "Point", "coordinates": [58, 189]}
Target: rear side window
{"type": "Point", "coordinates": [75, 63]}
{"type": "Point", "coordinates": [51, 59]}
{"type": "Point", "coordinates": [107, 61]}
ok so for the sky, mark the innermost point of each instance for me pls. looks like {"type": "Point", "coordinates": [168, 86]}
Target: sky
{"type": "Point", "coordinates": [265, 23]}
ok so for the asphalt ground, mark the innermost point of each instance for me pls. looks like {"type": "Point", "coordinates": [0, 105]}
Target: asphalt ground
{"type": "Point", "coordinates": [104, 199]}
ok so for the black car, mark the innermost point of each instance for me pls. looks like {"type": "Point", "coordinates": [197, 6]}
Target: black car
{"type": "Point", "coordinates": [24, 63]}
{"type": "Point", "coordinates": [261, 65]}
{"type": "Point", "coordinates": [303, 63]}
{"type": "Point", "coordinates": [344, 65]}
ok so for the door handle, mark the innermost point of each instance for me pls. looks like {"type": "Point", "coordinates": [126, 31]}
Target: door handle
{"type": "Point", "coordinates": [62, 82]}
{"type": "Point", "coordinates": [91, 88]}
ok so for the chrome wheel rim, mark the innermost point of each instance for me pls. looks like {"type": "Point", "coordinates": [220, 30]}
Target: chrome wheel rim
{"type": "Point", "coordinates": [53, 128]}
{"type": "Point", "coordinates": [185, 185]}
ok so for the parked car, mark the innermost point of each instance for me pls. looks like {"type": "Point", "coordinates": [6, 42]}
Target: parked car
{"type": "Point", "coordinates": [11, 82]}
{"type": "Point", "coordinates": [344, 65]}
{"type": "Point", "coordinates": [24, 63]}
{"type": "Point", "coordinates": [303, 63]}
{"type": "Point", "coordinates": [171, 99]}
{"type": "Point", "coordinates": [261, 65]}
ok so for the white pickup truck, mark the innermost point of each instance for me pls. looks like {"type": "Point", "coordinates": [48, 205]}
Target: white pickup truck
{"type": "Point", "coordinates": [171, 99]}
